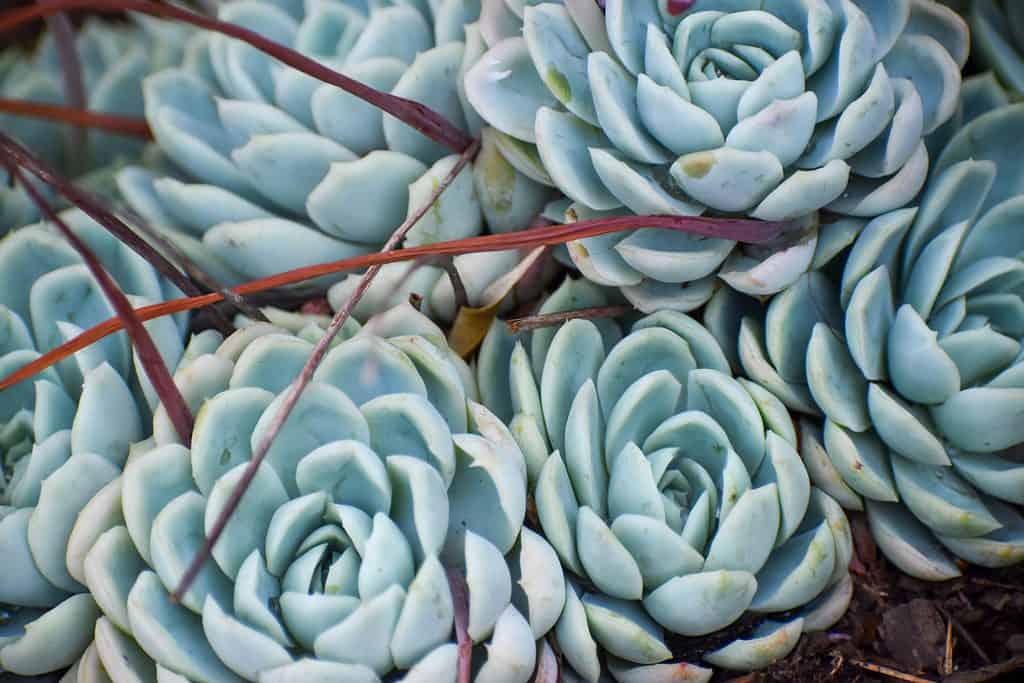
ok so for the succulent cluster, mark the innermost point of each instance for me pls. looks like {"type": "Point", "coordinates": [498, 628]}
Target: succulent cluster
{"type": "Point", "coordinates": [114, 59]}
{"type": "Point", "coordinates": [912, 355]}
{"type": "Point", "coordinates": [620, 482]}
{"type": "Point", "coordinates": [282, 171]}
{"type": "Point", "coordinates": [672, 492]}
{"type": "Point", "coordinates": [773, 110]}
{"type": "Point", "coordinates": [332, 566]}
{"type": "Point", "coordinates": [66, 436]}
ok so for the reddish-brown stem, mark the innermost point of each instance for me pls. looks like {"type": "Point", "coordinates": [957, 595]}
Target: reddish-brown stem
{"type": "Point", "coordinates": [294, 392]}
{"type": "Point", "coordinates": [94, 208]}
{"type": "Point", "coordinates": [152, 362]}
{"type": "Point", "coordinates": [113, 123]}
{"type": "Point", "coordinates": [547, 664]}
{"type": "Point", "coordinates": [416, 115]}
{"type": "Point", "coordinates": [460, 603]}
{"type": "Point", "coordinates": [196, 272]}
{"type": "Point", "coordinates": [71, 71]}
{"type": "Point", "coordinates": [536, 322]}
{"type": "Point", "coordinates": [755, 231]}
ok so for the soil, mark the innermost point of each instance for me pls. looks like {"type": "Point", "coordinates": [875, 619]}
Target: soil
{"type": "Point", "coordinates": [968, 630]}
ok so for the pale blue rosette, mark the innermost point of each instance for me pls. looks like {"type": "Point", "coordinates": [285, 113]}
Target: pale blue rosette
{"type": "Point", "coordinates": [65, 435]}
{"type": "Point", "coordinates": [280, 170]}
{"type": "Point", "coordinates": [672, 492]}
{"type": "Point", "coordinates": [114, 59]}
{"type": "Point", "coordinates": [334, 567]}
{"type": "Point", "coordinates": [771, 110]}
{"type": "Point", "coordinates": [912, 354]}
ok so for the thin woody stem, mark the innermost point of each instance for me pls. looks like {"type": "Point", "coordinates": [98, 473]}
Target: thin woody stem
{"type": "Point", "coordinates": [194, 270]}
{"type": "Point", "coordinates": [83, 118]}
{"type": "Point", "coordinates": [460, 602]}
{"type": "Point", "coordinates": [536, 322]}
{"type": "Point", "coordinates": [94, 208]}
{"type": "Point", "coordinates": [294, 392]}
{"type": "Point", "coordinates": [749, 231]}
{"type": "Point", "coordinates": [74, 87]}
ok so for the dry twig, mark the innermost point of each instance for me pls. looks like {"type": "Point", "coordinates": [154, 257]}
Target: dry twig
{"type": "Point", "coordinates": [740, 230]}
{"type": "Point", "coordinates": [890, 672]}
{"type": "Point", "coordinates": [536, 322]}
{"type": "Point", "coordinates": [965, 634]}
{"type": "Point", "coordinates": [82, 118]}
{"type": "Point", "coordinates": [71, 72]}
{"type": "Point", "coordinates": [460, 600]}
{"type": "Point", "coordinates": [947, 661]}
{"type": "Point", "coordinates": [94, 208]}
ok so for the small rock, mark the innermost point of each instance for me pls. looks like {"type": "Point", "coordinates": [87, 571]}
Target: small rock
{"type": "Point", "coordinates": [1015, 643]}
{"type": "Point", "coordinates": [996, 599]}
{"type": "Point", "coordinates": [914, 634]}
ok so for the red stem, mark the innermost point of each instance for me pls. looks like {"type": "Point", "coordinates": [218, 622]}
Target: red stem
{"type": "Point", "coordinates": [74, 87]}
{"type": "Point", "coordinates": [460, 601]}
{"type": "Point", "coordinates": [752, 231]}
{"type": "Point", "coordinates": [416, 115]}
{"type": "Point", "coordinates": [113, 123]}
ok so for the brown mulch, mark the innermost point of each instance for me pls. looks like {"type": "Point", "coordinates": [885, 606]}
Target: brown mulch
{"type": "Point", "coordinates": [969, 630]}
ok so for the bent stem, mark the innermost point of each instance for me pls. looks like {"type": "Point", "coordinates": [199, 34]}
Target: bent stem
{"type": "Point", "coordinates": [71, 73]}
{"type": "Point", "coordinates": [196, 272]}
{"type": "Point", "coordinates": [94, 208]}
{"type": "Point", "coordinates": [80, 117]}
{"type": "Point", "coordinates": [152, 361]}
{"type": "Point", "coordinates": [536, 322]}
{"type": "Point", "coordinates": [749, 231]}
{"type": "Point", "coordinates": [414, 114]}
{"type": "Point", "coordinates": [306, 375]}
{"type": "Point", "coordinates": [460, 603]}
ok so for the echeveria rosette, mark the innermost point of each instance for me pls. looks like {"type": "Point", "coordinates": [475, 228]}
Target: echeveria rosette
{"type": "Point", "coordinates": [64, 435]}
{"type": "Point", "coordinates": [997, 39]}
{"type": "Point", "coordinates": [281, 170]}
{"type": "Point", "coordinates": [913, 357]}
{"type": "Point", "coordinates": [771, 110]}
{"type": "Point", "coordinates": [114, 60]}
{"type": "Point", "coordinates": [48, 293]}
{"type": "Point", "coordinates": [334, 565]}
{"type": "Point", "coordinates": [672, 493]}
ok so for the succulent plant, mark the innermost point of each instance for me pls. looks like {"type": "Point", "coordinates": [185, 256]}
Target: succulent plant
{"type": "Point", "coordinates": [283, 171]}
{"type": "Point", "coordinates": [671, 491]}
{"type": "Point", "coordinates": [913, 357]}
{"type": "Point", "coordinates": [766, 109]}
{"type": "Point", "coordinates": [114, 58]}
{"type": "Point", "coordinates": [997, 36]}
{"type": "Point", "coordinates": [64, 437]}
{"type": "Point", "coordinates": [334, 565]}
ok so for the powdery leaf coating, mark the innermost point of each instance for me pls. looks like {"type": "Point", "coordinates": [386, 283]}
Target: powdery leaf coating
{"type": "Point", "coordinates": [332, 563]}
{"type": "Point", "coordinates": [281, 171]}
{"type": "Point", "coordinates": [66, 436]}
{"type": "Point", "coordinates": [914, 357]}
{"type": "Point", "coordinates": [769, 110]}
{"type": "Point", "coordinates": [662, 487]}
